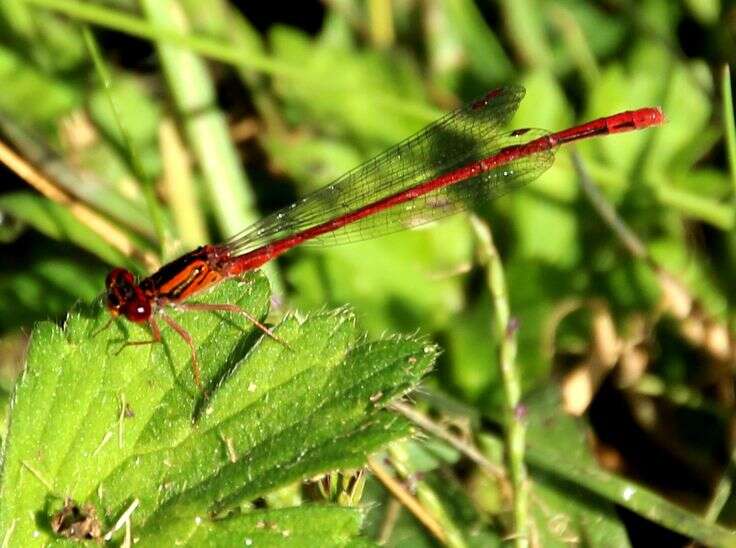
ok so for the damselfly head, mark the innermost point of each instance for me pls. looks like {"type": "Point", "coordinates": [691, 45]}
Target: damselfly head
{"type": "Point", "coordinates": [124, 296]}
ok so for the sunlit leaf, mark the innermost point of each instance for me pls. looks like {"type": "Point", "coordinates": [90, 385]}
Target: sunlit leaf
{"type": "Point", "coordinates": [118, 424]}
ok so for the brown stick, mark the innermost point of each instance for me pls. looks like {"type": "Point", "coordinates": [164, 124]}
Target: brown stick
{"type": "Point", "coordinates": [405, 498]}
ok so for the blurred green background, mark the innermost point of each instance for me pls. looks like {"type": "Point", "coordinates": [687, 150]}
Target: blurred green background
{"type": "Point", "coordinates": [242, 107]}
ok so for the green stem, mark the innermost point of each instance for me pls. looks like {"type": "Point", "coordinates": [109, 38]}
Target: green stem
{"type": "Point", "coordinates": [515, 427]}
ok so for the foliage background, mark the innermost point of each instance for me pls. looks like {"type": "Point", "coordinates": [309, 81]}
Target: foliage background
{"type": "Point", "coordinates": [262, 104]}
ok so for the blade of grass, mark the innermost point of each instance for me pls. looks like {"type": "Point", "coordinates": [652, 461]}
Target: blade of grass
{"type": "Point", "coordinates": [60, 223]}
{"type": "Point", "coordinates": [465, 447]}
{"type": "Point", "coordinates": [193, 91]}
{"type": "Point", "coordinates": [729, 125]}
{"type": "Point", "coordinates": [721, 492]}
{"type": "Point", "coordinates": [147, 186]}
{"type": "Point", "coordinates": [483, 49]}
{"type": "Point", "coordinates": [631, 496]}
{"type": "Point", "coordinates": [607, 212]}
{"type": "Point", "coordinates": [17, 19]}
{"type": "Point", "coordinates": [239, 32]}
{"type": "Point", "coordinates": [525, 28]}
{"type": "Point", "coordinates": [605, 484]}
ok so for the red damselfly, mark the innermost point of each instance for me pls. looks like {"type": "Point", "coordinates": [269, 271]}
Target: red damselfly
{"type": "Point", "coordinates": [449, 166]}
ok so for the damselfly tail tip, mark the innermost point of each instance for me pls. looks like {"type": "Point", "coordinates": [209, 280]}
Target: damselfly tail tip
{"type": "Point", "coordinates": [648, 117]}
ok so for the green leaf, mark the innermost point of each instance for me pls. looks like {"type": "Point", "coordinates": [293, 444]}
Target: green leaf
{"type": "Point", "coordinates": [305, 526]}
{"type": "Point", "coordinates": [51, 41]}
{"type": "Point", "coordinates": [118, 424]}
{"type": "Point", "coordinates": [472, 368]}
{"type": "Point", "coordinates": [729, 124]}
{"type": "Point", "coordinates": [375, 99]}
{"type": "Point", "coordinates": [480, 45]}
{"type": "Point", "coordinates": [21, 100]}
{"type": "Point", "coordinates": [525, 22]}
{"type": "Point", "coordinates": [312, 161]}
{"type": "Point", "coordinates": [705, 11]}
{"type": "Point", "coordinates": [688, 109]}
{"type": "Point", "coordinates": [602, 29]}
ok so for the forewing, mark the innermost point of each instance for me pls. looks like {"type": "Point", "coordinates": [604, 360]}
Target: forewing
{"type": "Point", "coordinates": [469, 133]}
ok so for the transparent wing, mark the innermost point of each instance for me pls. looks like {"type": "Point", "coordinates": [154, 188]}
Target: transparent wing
{"type": "Point", "coordinates": [444, 201]}
{"type": "Point", "coordinates": [468, 134]}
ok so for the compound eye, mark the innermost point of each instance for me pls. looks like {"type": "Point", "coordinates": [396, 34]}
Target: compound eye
{"type": "Point", "coordinates": [119, 277]}
{"type": "Point", "coordinates": [138, 310]}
